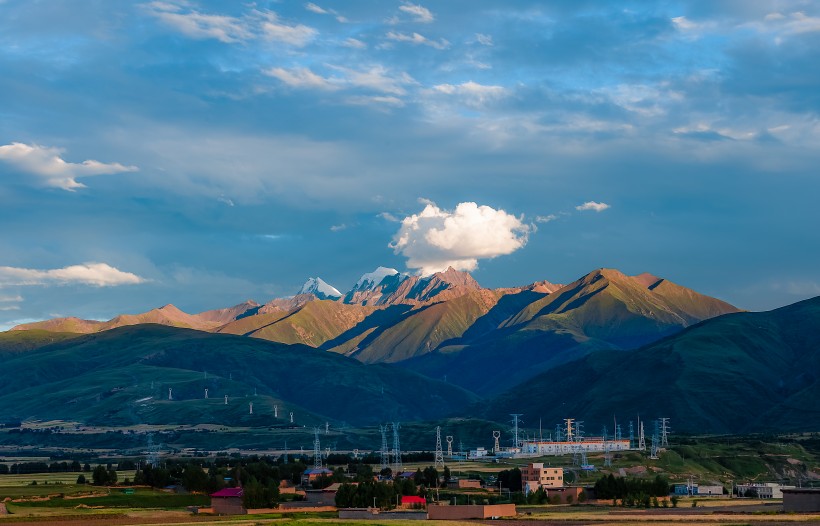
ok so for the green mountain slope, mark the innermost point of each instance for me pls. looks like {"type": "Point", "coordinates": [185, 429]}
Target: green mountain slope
{"type": "Point", "coordinates": [736, 373]}
{"type": "Point", "coordinates": [122, 377]}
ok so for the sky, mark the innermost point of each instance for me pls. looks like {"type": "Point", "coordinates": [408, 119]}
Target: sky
{"type": "Point", "coordinates": [202, 153]}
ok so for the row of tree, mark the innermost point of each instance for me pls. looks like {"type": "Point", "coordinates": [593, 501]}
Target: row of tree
{"type": "Point", "coordinates": [612, 487]}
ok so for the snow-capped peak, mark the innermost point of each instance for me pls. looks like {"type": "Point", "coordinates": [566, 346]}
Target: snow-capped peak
{"type": "Point", "coordinates": [371, 279]}
{"type": "Point", "coordinates": [319, 288]}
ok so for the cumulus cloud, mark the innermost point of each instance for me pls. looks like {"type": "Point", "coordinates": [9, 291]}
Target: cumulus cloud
{"type": "Point", "coordinates": [418, 12]}
{"type": "Point", "coordinates": [592, 205]}
{"type": "Point", "coordinates": [435, 239]}
{"type": "Point", "coordinates": [95, 274]}
{"type": "Point", "coordinates": [46, 162]}
{"type": "Point", "coordinates": [298, 35]}
{"type": "Point", "coordinates": [376, 78]}
{"type": "Point", "coordinates": [418, 39]}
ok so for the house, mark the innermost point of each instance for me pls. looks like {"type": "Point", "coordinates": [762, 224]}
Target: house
{"type": "Point", "coordinates": [228, 501]}
{"type": "Point", "coordinates": [412, 502]}
{"type": "Point", "coordinates": [463, 484]}
{"type": "Point", "coordinates": [314, 473]}
{"type": "Point", "coordinates": [536, 475]}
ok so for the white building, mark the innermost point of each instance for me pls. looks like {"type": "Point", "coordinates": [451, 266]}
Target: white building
{"type": "Point", "coordinates": [589, 444]}
{"type": "Point", "coordinates": [763, 490]}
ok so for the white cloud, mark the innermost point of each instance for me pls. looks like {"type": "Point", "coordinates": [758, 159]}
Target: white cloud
{"type": "Point", "coordinates": [369, 101]}
{"type": "Point", "coordinates": [225, 200]}
{"type": "Point", "coordinates": [354, 43]}
{"type": "Point", "coordinates": [592, 205]}
{"type": "Point", "coordinates": [302, 78]}
{"type": "Point", "coordinates": [484, 40]}
{"type": "Point", "coordinates": [296, 35]}
{"type": "Point", "coordinates": [45, 162]}
{"type": "Point", "coordinates": [337, 228]}
{"type": "Point", "coordinates": [7, 299]}
{"type": "Point", "coordinates": [377, 78]}
{"type": "Point", "coordinates": [230, 29]}
{"type": "Point", "coordinates": [387, 216]}
{"type": "Point", "coordinates": [435, 239]}
{"type": "Point", "coordinates": [546, 218]}
{"type": "Point", "coordinates": [418, 39]}
{"type": "Point", "coordinates": [310, 6]}
{"type": "Point", "coordinates": [9, 307]}
{"type": "Point", "coordinates": [418, 12]}
{"type": "Point", "coordinates": [472, 93]}
{"type": "Point", "coordinates": [313, 8]}
{"type": "Point", "coordinates": [96, 274]}
{"type": "Point", "coordinates": [198, 25]}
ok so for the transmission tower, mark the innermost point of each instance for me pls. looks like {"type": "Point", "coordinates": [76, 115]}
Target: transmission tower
{"type": "Point", "coordinates": [579, 454]}
{"type": "Point", "coordinates": [170, 394]}
{"type": "Point", "coordinates": [631, 434]}
{"type": "Point", "coordinates": [664, 432]}
{"type": "Point", "coordinates": [449, 446]}
{"type": "Point", "coordinates": [641, 438]}
{"type": "Point", "coordinates": [317, 450]}
{"type": "Point", "coordinates": [618, 433]}
{"type": "Point", "coordinates": [515, 422]}
{"type": "Point", "coordinates": [285, 461]}
{"type": "Point", "coordinates": [607, 448]}
{"type": "Point", "coordinates": [558, 435]}
{"type": "Point", "coordinates": [396, 449]}
{"type": "Point", "coordinates": [496, 442]}
{"type": "Point", "coordinates": [439, 460]}
{"type": "Point", "coordinates": [653, 452]}
{"type": "Point", "coordinates": [568, 425]}
{"type": "Point", "coordinates": [385, 455]}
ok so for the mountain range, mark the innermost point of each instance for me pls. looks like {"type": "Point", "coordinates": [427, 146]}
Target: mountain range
{"type": "Point", "coordinates": [446, 325]}
{"type": "Point", "coordinates": [397, 346]}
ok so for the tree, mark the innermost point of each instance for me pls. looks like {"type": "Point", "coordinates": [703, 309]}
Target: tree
{"type": "Point", "coordinates": [194, 478]}
{"type": "Point", "coordinates": [100, 476]}
{"type": "Point", "coordinates": [81, 479]}
{"type": "Point", "coordinates": [446, 475]}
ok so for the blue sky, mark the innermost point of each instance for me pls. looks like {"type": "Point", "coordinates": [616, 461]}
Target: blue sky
{"type": "Point", "coordinates": [201, 153]}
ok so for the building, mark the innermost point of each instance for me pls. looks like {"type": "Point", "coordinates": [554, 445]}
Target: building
{"type": "Point", "coordinates": [588, 444]}
{"type": "Point", "coordinates": [413, 502]}
{"type": "Point", "coordinates": [801, 500]}
{"type": "Point", "coordinates": [228, 501]}
{"type": "Point", "coordinates": [762, 490]}
{"type": "Point", "coordinates": [470, 511]}
{"type": "Point", "coordinates": [537, 476]}
{"type": "Point", "coordinates": [314, 473]}
{"type": "Point", "coordinates": [699, 490]}
{"type": "Point", "coordinates": [475, 454]}
{"type": "Point", "coordinates": [463, 484]}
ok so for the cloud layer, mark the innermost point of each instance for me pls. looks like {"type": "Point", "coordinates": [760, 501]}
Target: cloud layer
{"type": "Point", "coordinates": [46, 162]}
{"type": "Point", "coordinates": [95, 274]}
{"type": "Point", "coordinates": [435, 239]}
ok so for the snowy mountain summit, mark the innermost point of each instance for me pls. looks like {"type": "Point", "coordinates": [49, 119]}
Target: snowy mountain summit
{"type": "Point", "coordinates": [320, 288]}
{"type": "Point", "coordinates": [371, 280]}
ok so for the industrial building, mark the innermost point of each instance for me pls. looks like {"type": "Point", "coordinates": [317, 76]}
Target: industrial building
{"type": "Point", "coordinates": [801, 500]}
{"type": "Point", "coordinates": [588, 444]}
{"type": "Point", "coordinates": [762, 490]}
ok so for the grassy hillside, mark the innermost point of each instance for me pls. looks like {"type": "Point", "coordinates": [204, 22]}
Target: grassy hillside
{"type": "Point", "coordinates": [736, 373]}
{"type": "Point", "coordinates": [12, 342]}
{"type": "Point", "coordinates": [122, 377]}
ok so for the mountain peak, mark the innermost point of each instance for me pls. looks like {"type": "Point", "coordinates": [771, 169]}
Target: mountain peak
{"type": "Point", "coordinates": [456, 278]}
{"type": "Point", "coordinates": [373, 279]}
{"type": "Point", "coordinates": [320, 288]}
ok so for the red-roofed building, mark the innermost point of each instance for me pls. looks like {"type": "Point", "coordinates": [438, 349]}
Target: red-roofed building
{"type": "Point", "coordinates": [413, 502]}
{"type": "Point", "coordinates": [228, 501]}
